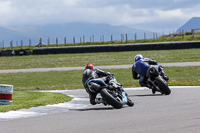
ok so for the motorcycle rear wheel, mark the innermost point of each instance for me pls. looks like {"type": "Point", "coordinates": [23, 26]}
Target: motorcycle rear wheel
{"type": "Point", "coordinates": [163, 86]}
{"type": "Point", "coordinates": [116, 102]}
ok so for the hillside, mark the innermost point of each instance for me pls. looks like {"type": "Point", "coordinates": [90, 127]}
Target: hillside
{"type": "Point", "coordinates": [193, 23]}
{"type": "Point", "coordinates": [68, 30]}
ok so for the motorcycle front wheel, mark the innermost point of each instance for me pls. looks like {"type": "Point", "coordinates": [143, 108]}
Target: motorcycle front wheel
{"type": "Point", "coordinates": [116, 102]}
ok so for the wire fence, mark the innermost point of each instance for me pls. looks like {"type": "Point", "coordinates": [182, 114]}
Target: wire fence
{"type": "Point", "coordinates": [123, 38]}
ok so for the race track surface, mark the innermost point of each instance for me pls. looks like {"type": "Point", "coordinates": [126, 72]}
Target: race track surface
{"type": "Point", "coordinates": [177, 113]}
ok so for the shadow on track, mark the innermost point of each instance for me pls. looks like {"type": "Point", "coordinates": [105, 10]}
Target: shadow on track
{"type": "Point", "coordinates": [145, 95]}
{"type": "Point", "coordinates": [98, 108]}
{"type": "Point", "coordinates": [88, 109]}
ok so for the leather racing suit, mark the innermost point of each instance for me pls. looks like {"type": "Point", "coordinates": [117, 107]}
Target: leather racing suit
{"type": "Point", "coordinates": [140, 68]}
{"type": "Point", "coordinates": [89, 74]}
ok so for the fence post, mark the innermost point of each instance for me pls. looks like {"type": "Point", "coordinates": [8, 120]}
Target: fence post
{"type": "Point", "coordinates": [21, 43]}
{"type": "Point", "coordinates": [48, 41]}
{"type": "Point", "coordinates": [56, 41]}
{"type": "Point", "coordinates": [121, 38]}
{"type": "Point", "coordinates": [135, 37]}
{"type": "Point", "coordinates": [29, 42]}
{"type": "Point", "coordinates": [93, 38]}
{"type": "Point", "coordinates": [83, 39]}
{"type": "Point", "coordinates": [65, 41]}
{"type": "Point", "coordinates": [74, 40]}
{"type": "Point", "coordinates": [40, 41]}
{"type": "Point", "coordinates": [192, 33]}
{"type": "Point", "coordinates": [11, 43]}
{"type": "Point", "coordinates": [3, 44]}
{"type": "Point", "coordinates": [126, 38]}
{"type": "Point", "coordinates": [111, 38]}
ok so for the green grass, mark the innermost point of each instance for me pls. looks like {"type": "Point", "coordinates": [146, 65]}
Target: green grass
{"type": "Point", "coordinates": [43, 80]}
{"type": "Point", "coordinates": [25, 100]}
{"type": "Point", "coordinates": [73, 79]}
{"type": "Point", "coordinates": [109, 58]}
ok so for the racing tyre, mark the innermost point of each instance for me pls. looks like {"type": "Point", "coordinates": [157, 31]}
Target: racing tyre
{"type": "Point", "coordinates": [163, 86]}
{"type": "Point", "coordinates": [116, 102]}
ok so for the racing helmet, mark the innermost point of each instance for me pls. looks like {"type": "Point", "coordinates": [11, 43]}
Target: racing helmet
{"type": "Point", "coordinates": [89, 66]}
{"type": "Point", "coordinates": [138, 57]}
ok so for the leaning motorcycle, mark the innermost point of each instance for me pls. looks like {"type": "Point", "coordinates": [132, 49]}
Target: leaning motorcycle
{"type": "Point", "coordinates": [112, 93]}
{"type": "Point", "coordinates": [157, 81]}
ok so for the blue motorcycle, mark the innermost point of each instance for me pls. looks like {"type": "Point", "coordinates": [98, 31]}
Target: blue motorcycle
{"type": "Point", "coordinates": [112, 93]}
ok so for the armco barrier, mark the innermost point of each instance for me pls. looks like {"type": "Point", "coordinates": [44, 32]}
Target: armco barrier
{"type": "Point", "coordinates": [117, 48]}
{"type": "Point", "coordinates": [6, 92]}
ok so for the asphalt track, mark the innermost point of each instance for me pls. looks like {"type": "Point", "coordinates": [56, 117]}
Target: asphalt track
{"type": "Point", "coordinates": [176, 113]}
{"type": "Point", "coordinates": [176, 64]}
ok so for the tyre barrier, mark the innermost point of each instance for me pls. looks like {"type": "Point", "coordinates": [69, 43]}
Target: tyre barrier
{"type": "Point", "coordinates": [7, 53]}
{"type": "Point", "coordinates": [22, 52]}
{"type": "Point", "coordinates": [17, 52]}
{"type": "Point", "coordinates": [6, 92]}
{"type": "Point", "coordinates": [117, 48]}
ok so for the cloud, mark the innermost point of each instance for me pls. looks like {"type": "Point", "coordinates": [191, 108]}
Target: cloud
{"type": "Point", "coordinates": [145, 14]}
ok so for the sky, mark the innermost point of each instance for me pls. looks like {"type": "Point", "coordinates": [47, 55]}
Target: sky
{"type": "Point", "coordinates": [151, 15]}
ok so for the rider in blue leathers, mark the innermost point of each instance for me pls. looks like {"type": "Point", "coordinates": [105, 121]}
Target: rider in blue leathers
{"type": "Point", "coordinates": [141, 67]}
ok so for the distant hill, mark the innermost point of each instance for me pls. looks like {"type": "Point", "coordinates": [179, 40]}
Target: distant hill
{"type": "Point", "coordinates": [7, 35]}
{"type": "Point", "coordinates": [69, 30]}
{"type": "Point", "coordinates": [78, 30]}
{"type": "Point", "coordinates": [193, 23]}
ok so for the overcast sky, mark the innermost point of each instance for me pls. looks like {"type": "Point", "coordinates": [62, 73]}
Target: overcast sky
{"type": "Point", "coordinates": [152, 15]}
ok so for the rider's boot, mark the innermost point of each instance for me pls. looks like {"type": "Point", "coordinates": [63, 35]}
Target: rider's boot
{"type": "Point", "coordinates": [152, 88]}
{"type": "Point", "coordinates": [164, 76]}
{"type": "Point", "coordinates": [129, 101]}
{"type": "Point", "coordinates": [163, 73]}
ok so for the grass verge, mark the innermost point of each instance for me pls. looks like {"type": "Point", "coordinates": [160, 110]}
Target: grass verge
{"type": "Point", "coordinates": [26, 99]}
{"type": "Point", "coordinates": [97, 59]}
{"type": "Point", "coordinates": [73, 79]}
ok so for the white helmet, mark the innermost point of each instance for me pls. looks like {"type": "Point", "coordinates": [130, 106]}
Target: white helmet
{"type": "Point", "coordinates": [138, 57]}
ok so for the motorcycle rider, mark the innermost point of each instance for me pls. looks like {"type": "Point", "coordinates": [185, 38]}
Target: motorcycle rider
{"type": "Point", "coordinates": [141, 67]}
{"type": "Point", "coordinates": [91, 73]}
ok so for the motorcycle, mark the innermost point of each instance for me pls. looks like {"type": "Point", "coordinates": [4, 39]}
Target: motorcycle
{"type": "Point", "coordinates": [157, 81]}
{"type": "Point", "coordinates": [112, 93]}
